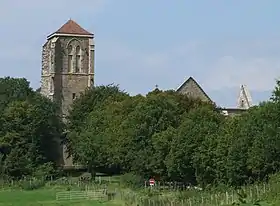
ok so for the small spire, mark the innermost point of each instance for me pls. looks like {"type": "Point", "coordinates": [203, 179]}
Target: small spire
{"type": "Point", "coordinates": [156, 86]}
{"type": "Point", "coordinates": [244, 99]}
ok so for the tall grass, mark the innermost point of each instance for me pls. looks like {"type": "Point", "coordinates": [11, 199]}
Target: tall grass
{"type": "Point", "coordinates": [156, 196]}
{"type": "Point", "coordinates": [268, 192]}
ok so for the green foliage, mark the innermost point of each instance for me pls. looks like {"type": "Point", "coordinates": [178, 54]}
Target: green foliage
{"type": "Point", "coordinates": [276, 92]}
{"type": "Point", "coordinates": [30, 129]}
{"type": "Point", "coordinates": [32, 185]}
{"type": "Point", "coordinates": [132, 180]}
{"type": "Point", "coordinates": [191, 157]}
{"type": "Point", "coordinates": [164, 134]}
{"type": "Point", "coordinates": [93, 114]}
{"type": "Point", "coordinates": [13, 89]}
{"type": "Point", "coordinates": [172, 137]}
{"type": "Point", "coordinates": [243, 200]}
{"type": "Point", "coordinates": [44, 170]}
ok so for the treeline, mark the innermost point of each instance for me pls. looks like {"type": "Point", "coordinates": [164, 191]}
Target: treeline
{"type": "Point", "coordinates": [167, 135]}
{"type": "Point", "coordinates": [30, 130]}
{"type": "Point", "coordinates": [163, 134]}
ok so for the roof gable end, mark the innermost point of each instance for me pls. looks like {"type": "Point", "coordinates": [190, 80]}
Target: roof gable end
{"type": "Point", "coordinates": [192, 88]}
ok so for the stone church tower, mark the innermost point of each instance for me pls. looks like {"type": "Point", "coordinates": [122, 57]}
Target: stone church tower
{"type": "Point", "coordinates": [67, 66]}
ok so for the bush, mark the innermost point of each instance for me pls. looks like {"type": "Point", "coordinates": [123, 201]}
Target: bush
{"type": "Point", "coordinates": [32, 184]}
{"type": "Point", "coordinates": [132, 180]}
{"type": "Point", "coordinates": [44, 170]}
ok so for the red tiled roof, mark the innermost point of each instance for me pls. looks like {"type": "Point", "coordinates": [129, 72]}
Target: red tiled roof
{"type": "Point", "coordinates": [71, 27]}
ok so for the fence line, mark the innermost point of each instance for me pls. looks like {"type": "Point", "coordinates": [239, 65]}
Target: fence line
{"type": "Point", "coordinates": [194, 198]}
{"type": "Point", "coordinates": [85, 184]}
{"type": "Point", "coordinates": [77, 195]}
{"type": "Point", "coordinates": [201, 199]}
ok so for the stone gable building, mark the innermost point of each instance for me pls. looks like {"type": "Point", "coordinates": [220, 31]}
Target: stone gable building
{"type": "Point", "coordinates": [67, 64]}
{"type": "Point", "coordinates": [192, 89]}
{"type": "Point", "coordinates": [67, 68]}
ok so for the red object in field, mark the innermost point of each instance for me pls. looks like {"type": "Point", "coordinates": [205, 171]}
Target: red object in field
{"type": "Point", "coordinates": [152, 182]}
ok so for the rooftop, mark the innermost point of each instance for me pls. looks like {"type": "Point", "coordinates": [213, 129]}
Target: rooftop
{"type": "Point", "coordinates": [71, 27]}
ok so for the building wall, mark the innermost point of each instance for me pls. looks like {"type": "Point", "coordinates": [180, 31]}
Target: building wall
{"type": "Point", "coordinates": [59, 83]}
{"type": "Point", "coordinates": [192, 89]}
{"type": "Point", "coordinates": [70, 84]}
{"type": "Point", "coordinates": [45, 74]}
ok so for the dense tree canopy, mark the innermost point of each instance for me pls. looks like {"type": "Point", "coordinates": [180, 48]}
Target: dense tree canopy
{"type": "Point", "coordinates": [163, 134]}
{"type": "Point", "coordinates": [171, 136]}
{"type": "Point", "coordinates": [30, 129]}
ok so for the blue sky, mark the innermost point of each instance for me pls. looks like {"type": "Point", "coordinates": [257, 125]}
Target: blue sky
{"type": "Point", "coordinates": [221, 43]}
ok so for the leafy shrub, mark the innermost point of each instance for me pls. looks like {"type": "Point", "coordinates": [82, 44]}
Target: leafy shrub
{"type": "Point", "coordinates": [132, 180]}
{"type": "Point", "coordinates": [32, 184]}
{"type": "Point", "coordinates": [44, 170]}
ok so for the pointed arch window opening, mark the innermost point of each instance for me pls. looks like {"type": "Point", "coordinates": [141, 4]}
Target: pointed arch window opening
{"type": "Point", "coordinates": [70, 59]}
{"type": "Point", "coordinates": [78, 60]}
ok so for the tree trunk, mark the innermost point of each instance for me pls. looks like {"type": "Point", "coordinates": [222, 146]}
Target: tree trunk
{"type": "Point", "coordinates": [92, 171]}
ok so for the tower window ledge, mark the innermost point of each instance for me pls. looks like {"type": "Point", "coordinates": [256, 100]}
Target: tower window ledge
{"type": "Point", "coordinates": [70, 73]}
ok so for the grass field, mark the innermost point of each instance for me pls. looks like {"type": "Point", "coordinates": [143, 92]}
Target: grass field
{"type": "Point", "coordinates": [14, 195]}
{"type": "Point", "coordinates": [42, 197]}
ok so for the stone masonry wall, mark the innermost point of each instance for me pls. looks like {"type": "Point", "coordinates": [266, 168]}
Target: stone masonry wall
{"type": "Point", "coordinates": [69, 85]}
{"type": "Point", "coordinates": [66, 85]}
{"type": "Point", "coordinates": [191, 89]}
{"type": "Point", "coordinates": [45, 69]}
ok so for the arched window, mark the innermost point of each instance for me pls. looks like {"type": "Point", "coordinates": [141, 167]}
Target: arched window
{"type": "Point", "coordinates": [70, 58]}
{"type": "Point", "coordinates": [78, 60]}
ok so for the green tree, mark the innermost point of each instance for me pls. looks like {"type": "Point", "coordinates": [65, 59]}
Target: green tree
{"type": "Point", "coordinates": [275, 97]}
{"type": "Point", "coordinates": [90, 100]}
{"type": "Point", "coordinates": [264, 153]}
{"type": "Point", "coordinates": [161, 147]}
{"type": "Point", "coordinates": [188, 158]}
{"type": "Point", "coordinates": [153, 114]}
{"type": "Point", "coordinates": [30, 129]}
{"type": "Point", "coordinates": [13, 89]}
{"type": "Point", "coordinates": [92, 114]}
{"type": "Point", "coordinates": [148, 129]}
